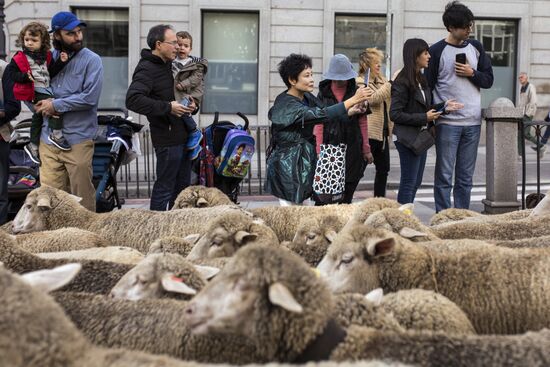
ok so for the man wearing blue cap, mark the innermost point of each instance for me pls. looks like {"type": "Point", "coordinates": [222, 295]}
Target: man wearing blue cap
{"type": "Point", "coordinates": [76, 90]}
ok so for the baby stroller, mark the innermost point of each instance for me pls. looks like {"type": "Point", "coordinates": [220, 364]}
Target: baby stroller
{"type": "Point", "coordinates": [24, 174]}
{"type": "Point", "coordinates": [110, 152]}
{"type": "Point", "coordinates": [226, 155]}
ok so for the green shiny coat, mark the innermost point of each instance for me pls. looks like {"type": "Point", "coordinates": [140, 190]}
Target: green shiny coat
{"type": "Point", "coordinates": [291, 166]}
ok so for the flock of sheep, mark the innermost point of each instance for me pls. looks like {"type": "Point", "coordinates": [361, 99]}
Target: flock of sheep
{"type": "Point", "coordinates": [363, 284]}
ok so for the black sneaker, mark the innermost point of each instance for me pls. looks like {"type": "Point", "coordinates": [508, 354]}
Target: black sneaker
{"type": "Point", "coordinates": [32, 153]}
{"type": "Point", "coordinates": [60, 142]}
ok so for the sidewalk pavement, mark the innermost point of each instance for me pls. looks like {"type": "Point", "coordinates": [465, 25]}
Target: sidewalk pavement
{"type": "Point", "coordinates": [424, 203]}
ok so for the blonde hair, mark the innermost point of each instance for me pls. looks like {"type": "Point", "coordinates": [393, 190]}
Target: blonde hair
{"type": "Point", "coordinates": [368, 58]}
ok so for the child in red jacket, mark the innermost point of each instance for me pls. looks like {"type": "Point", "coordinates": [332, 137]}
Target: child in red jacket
{"type": "Point", "coordinates": [33, 71]}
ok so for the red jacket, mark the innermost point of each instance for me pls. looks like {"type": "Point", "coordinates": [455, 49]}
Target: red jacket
{"type": "Point", "coordinates": [25, 91]}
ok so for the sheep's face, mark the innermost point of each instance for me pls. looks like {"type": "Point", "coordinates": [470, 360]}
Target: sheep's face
{"type": "Point", "coordinates": [31, 216]}
{"type": "Point", "coordinates": [315, 237]}
{"type": "Point", "coordinates": [224, 305]}
{"type": "Point", "coordinates": [353, 264]}
{"type": "Point", "coordinates": [157, 274]}
{"type": "Point", "coordinates": [219, 242]}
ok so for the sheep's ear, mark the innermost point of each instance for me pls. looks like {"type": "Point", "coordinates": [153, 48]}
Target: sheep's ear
{"type": "Point", "coordinates": [77, 198]}
{"type": "Point", "coordinates": [44, 202]}
{"type": "Point", "coordinates": [330, 236]}
{"type": "Point", "coordinates": [202, 203]}
{"type": "Point", "coordinates": [407, 208]}
{"type": "Point", "coordinates": [381, 247]}
{"type": "Point", "coordinates": [171, 283]}
{"type": "Point", "coordinates": [280, 295]}
{"type": "Point", "coordinates": [192, 238]}
{"type": "Point", "coordinates": [48, 280]}
{"type": "Point", "coordinates": [375, 296]}
{"type": "Point", "coordinates": [207, 272]}
{"type": "Point", "coordinates": [242, 237]}
{"type": "Point", "coordinates": [411, 233]}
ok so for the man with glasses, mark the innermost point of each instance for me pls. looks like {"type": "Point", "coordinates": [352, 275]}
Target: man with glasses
{"type": "Point", "coordinates": [76, 91]}
{"type": "Point", "coordinates": [151, 93]}
{"type": "Point", "coordinates": [458, 68]}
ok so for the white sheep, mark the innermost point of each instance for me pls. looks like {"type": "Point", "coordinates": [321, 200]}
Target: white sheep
{"type": "Point", "coordinates": [117, 254]}
{"type": "Point", "coordinates": [47, 208]}
{"type": "Point", "coordinates": [200, 197]}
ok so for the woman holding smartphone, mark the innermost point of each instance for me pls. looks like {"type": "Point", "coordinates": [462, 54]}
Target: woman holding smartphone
{"type": "Point", "coordinates": [411, 112]}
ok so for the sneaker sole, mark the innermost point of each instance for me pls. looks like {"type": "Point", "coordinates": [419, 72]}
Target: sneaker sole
{"type": "Point", "coordinates": [58, 146]}
{"type": "Point", "coordinates": [30, 155]}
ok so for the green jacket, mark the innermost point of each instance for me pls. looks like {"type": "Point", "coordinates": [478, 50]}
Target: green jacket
{"type": "Point", "coordinates": [291, 165]}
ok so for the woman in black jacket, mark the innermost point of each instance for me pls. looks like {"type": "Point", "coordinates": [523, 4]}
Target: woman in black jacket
{"type": "Point", "coordinates": [412, 111]}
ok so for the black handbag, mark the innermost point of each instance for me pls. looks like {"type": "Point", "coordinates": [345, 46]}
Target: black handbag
{"type": "Point", "coordinates": [424, 140]}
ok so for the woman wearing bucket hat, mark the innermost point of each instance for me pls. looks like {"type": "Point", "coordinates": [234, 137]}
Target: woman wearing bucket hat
{"type": "Point", "coordinates": [337, 86]}
{"type": "Point", "coordinates": [291, 164]}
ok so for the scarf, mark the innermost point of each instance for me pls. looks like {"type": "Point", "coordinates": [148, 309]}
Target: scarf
{"type": "Point", "coordinates": [38, 56]}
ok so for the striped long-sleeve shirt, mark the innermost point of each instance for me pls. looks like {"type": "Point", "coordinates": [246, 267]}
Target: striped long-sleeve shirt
{"type": "Point", "coordinates": [77, 88]}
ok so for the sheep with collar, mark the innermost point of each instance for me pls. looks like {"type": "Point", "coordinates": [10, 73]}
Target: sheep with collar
{"type": "Point", "coordinates": [287, 314]}
{"type": "Point", "coordinates": [47, 208]}
{"type": "Point", "coordinates": [503, 291]}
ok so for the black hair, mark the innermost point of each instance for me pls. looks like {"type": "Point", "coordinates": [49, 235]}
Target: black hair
{"type": "Point", "coordinates": [410, 74]}
{"type": "Point", "coordinates": [292, 66]}
{"type": "Point", "coordinates": [155, 34]}
{"type": "Point", "coordinates": [457, 15]}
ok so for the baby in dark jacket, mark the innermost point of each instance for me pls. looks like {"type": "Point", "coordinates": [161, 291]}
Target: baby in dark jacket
{"type": "Point", "coordinates": [189, 74]}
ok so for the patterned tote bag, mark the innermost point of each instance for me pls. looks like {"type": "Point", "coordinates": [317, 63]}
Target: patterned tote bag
{"type": "Point", "coordinates": [329, 180]}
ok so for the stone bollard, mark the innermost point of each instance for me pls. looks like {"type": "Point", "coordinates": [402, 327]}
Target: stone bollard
{"type": "Point", "coordinates": [502, 136]}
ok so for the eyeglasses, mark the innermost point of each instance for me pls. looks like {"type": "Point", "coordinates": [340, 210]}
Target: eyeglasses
{"type": "Point", "coordinates": [173, 43]}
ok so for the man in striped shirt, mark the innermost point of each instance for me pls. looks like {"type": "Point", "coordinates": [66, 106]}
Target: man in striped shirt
{"type": "Point", "coordinates": [76, 90]}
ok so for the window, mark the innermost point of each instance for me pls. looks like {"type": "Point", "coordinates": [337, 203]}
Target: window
{"type": "Point", "coordinates": [107, 35]}
{"type": "Point", "coordinates": [230, 43]}
{"type": "Point", "coordinates": [354, 33]}
{"type": "Point", "coordinates": [499, 39]}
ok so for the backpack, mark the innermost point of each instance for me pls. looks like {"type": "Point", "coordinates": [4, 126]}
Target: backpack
{"type": "Point", "coordinates": [232, 146]}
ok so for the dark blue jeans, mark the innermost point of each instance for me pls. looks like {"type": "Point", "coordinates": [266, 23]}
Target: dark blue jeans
{"type": "Point", "coordinates": [412, 170]}
{"type": "Point", "coordinates": [456, 150]}
{"type": "Point", "coordinates": [173, 175]}
{"type": "Point", "coordinates": [4, 175]}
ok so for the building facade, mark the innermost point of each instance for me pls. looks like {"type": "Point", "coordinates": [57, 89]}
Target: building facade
{"type": "Point", "coordinates": [245, 39]}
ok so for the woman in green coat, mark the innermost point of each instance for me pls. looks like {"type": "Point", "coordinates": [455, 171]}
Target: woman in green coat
{"type": "Point", "coordinates": [291, 165]}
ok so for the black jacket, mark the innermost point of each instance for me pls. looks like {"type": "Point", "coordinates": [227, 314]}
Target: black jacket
{"type": "Point", "coordinates": [347, 128]}
{"type": "Point", "coordinates": [12, 107]}
{"type": "Point", "coordinates": [150, 94]}
{"type": "Point", "coordinates": [408, 110]}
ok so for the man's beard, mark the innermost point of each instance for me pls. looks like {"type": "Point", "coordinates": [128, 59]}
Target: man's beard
{"type": "Point", "coordinates": [74, 47]}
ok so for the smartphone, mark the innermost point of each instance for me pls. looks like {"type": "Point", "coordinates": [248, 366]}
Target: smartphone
{"type": "Point", "coordinates": [461, 58]}
{"type": "Point", "coordinates": [185, 102]}
{"type": "Point", "coordinates": [368, 77]}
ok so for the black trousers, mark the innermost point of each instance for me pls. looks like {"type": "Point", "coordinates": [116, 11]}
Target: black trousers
{"type": "Point", "coordinates": [381, 155]}
{"type": "Point", "coordinates": [4, 175]}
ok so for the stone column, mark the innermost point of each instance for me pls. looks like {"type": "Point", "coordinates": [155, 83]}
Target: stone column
{"type": "Point", "coordinates": [502, 152]}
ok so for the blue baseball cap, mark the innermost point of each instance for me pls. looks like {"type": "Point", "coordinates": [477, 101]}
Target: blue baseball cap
{"type": "Point", "coordinates": [65, 20]}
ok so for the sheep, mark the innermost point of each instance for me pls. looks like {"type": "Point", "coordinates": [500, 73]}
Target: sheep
{"type": "Point", "coordinates": [227, 233]}
{"type": "Point", "coordinates": [63, 239]}
{"type": "Point", "coordinates": [47, 208]}
{"type": "Point", "coordinates": [117, 254]}
{"type": "Point", "coordinates": [162, 276]}
{"type": "Point", "coordinates": [541, 241]}
{"type": "Point", "coordinates": [370, 206]}
{"type": "Point", "coordinates": [34, 331]}
{"type": "Point", "coordinates": [287, 314]}
{"type": "Point", "coordinates": [96, 276]}
{"type": "Point", "coordinates": [356, 309]}
{"type": "Point", "coordinates": [201, 197]}
{"type": "Point", "coordinates": [313, 237]}
{"type": "Point", "coordinates": [421, 309]}
{"type": "Point", "coordinates": [506, 290]}
{"type": "Point", "coordinates": [174, 245]}
{"type": "Point", "coordinates": [455, 215]}
{"type": "Point", "coordinates": [410, 227]}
